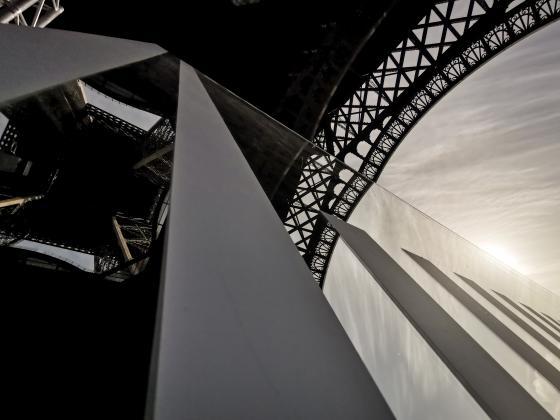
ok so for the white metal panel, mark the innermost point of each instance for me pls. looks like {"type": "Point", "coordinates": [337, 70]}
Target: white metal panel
{"type": "Point", "coordinates": [244, 332]}
{"type": "Point", "coordinates": [36, 59]}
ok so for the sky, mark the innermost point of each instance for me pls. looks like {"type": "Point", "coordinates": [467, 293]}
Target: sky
{"type": "Point", "coordinates": [485, 161]}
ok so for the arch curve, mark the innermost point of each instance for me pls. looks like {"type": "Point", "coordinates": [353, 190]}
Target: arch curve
{"type": "Point", "coordinates": [450, 42]}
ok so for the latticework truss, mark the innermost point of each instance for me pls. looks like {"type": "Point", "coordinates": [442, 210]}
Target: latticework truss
{"type": "Point", "coordinates": [136, 234]}
{"type": "Point", "coordinates": [444, 47]}
{"type": "Point", "coordinates": [34, 13]}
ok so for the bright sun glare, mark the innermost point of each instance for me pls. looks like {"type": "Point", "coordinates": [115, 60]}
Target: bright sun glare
{"type": "Point", "coordinates": [504, 256]}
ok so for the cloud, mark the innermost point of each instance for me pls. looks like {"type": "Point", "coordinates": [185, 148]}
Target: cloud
{"type": "Point", "coordinates": [485, 161]}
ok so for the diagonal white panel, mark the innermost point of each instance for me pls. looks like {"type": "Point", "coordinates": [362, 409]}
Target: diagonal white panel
{"type": "Point", "coordinates": [493, 388]}
{"type": "Point", "coordinates": [36, 59]}
{"type": "Point", "coordinates": [243, 331]}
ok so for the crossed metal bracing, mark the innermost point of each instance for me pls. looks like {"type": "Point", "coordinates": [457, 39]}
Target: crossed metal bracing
{"type": "Point", "coordinates": [35, 13]}
{"type": "Point", "coordinates": [12, 228]}
{"type": "Point", "coordinates": [445, 46]}
{"type": "Point", "coordinates": [157, 164]}
{"type": "Point", "coordinates": [115, 122]}
{"type": "Point", "coordinates": [135, 234]}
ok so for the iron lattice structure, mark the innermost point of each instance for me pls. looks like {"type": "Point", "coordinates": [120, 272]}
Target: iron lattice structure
{"type": "Point", "coordinates": [138, 232]}
{"type": "Point", "coordinates": [34, 13]}
{"type": "Point", "coordinates": [451, 41]}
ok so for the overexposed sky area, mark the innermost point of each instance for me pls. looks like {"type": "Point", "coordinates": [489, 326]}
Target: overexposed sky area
{"type": "Point", "coordinates": [485, 161]}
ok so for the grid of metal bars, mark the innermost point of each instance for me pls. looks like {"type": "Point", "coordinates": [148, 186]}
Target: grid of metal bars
{"type": "Point", "coordinates": [445, 46]}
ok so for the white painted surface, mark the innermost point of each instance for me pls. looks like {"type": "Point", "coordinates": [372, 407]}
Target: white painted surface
{"type": "Point", "coordinates": [396, 225]}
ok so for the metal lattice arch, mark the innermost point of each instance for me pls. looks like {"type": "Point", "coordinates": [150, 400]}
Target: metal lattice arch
{"type": "Point", "coordinates": [443, 48]}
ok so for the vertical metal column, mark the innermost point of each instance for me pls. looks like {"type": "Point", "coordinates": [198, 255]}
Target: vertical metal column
{"type": "Point", "coordinates": [243, 332]}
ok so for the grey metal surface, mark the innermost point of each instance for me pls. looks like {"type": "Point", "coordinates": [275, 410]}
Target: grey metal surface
{"type": "Point", "coordinates": [492, 387]}
{"type": "Point", "coordinates": [42, 58]}
{"type": "Point", "coordinates": [509, 337]}
{"type": "Point", "coordinates": [243, 331]}
{"type": "Point", "coordinates": [548, 344]}
{"type": "Point", "coordinates": [552, 319]}
{"type": "Point", "coordinates": [528, 315]}
{"type": "Point", "coordinates": [542, 318]}
{"type": "Point", "coordinates": [398, 225]}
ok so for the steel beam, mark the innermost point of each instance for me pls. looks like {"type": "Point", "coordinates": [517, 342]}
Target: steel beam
{"type": "Point", "coordinates": [121, 240]}
{"type": "Point", "coordinates": [12, 202]}
{"type": "Point", "coordinates": [12, 9]}
{"type": "Point", "coordinates": [48, 17]}
{"type": "Point", "coordinates": [154, 156]}
{"type": "Point", "coordinates": [242, 330]}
